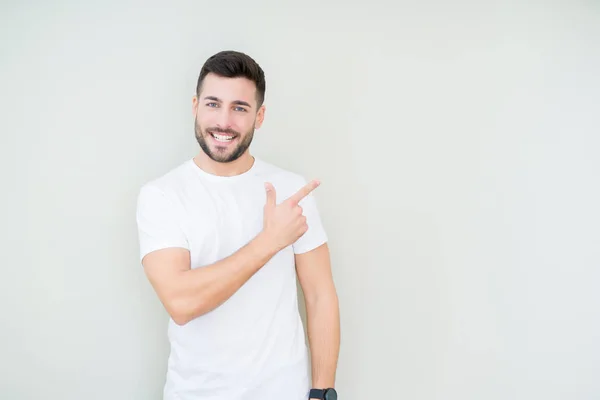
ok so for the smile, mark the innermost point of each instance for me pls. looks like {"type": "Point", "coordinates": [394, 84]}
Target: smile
{"type": "Point", "coordinates": [223, 138]}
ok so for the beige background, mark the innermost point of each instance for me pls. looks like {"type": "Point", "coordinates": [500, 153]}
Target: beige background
{"type": "Point", "coordinates": [458, 147]}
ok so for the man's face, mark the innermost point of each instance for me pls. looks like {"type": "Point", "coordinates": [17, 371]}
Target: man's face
{"type": "Point", "coordinates": [225, 117]}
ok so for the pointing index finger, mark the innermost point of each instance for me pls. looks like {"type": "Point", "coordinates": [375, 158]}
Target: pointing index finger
{"type": "Point", "coordinates": [304, 191]}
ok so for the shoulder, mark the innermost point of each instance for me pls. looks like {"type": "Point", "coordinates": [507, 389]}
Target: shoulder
{"type": "Point", "coordinates": [169, 185]}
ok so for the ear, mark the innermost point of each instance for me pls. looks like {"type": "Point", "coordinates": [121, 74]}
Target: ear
{"type": "Point", "coordinates": [195, 102]}
{"type": "Point", "coordinates": [260, 117]}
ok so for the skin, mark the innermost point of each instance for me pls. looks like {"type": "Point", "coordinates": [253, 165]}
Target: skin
{"type": "Point", "coordinates": [229, 106]}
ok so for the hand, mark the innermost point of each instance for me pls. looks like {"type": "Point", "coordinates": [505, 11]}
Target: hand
{"type": "Point", "coordinates": [284, 223]}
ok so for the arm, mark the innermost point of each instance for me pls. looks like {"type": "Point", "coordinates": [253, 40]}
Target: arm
{"type": "Point", "coordinates": [188, 293]}
{"type": "Point", "coordinates": [322, 310]}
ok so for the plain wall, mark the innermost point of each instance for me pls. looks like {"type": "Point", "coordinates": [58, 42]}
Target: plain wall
{"type": "Point", "coordinates": [458, 145]}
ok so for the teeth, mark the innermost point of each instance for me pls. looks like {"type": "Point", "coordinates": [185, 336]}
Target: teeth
{"type": "Point", "coordinates": [222, 138]}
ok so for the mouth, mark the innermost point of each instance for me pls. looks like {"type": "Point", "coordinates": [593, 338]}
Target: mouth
{"type": "Point", "coordinates": [222, 138]}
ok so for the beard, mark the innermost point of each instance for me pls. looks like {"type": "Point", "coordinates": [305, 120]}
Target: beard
{"type": "Point", "coordinates": [223, 154]}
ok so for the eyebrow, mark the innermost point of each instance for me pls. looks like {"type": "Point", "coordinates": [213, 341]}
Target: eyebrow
{"type": "Point", "coordinates": [238, 102]}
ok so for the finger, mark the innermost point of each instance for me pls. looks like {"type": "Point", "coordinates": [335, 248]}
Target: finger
{"type": "Point", "coordinates": [303, 227]}
{"type": "Point", "coordinates": [305, 191]}
{"type": "Point", "coordinates": [271, 196]}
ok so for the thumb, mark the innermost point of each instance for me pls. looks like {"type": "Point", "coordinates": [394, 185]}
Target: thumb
{"type": "Point", "coordinates": [271, 196]}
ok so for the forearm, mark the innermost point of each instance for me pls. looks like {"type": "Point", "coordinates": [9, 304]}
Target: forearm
{"type": "Point", "coordinates": [324, 338]}
{"type": "Point", "coordinates": [200, 290]}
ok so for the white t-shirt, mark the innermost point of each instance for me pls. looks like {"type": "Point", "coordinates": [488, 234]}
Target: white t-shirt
{"type": "Point", "coordinates": [252, 347]}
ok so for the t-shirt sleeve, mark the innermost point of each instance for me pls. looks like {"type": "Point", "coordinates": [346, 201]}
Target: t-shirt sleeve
{"type": "Point", "coordinates": [315, 235]}
{"type": "Point", "coordinates": [157, 222]}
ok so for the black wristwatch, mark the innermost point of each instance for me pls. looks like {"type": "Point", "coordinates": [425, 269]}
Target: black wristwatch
{"type": "Point", "coordinates": [323, 394]}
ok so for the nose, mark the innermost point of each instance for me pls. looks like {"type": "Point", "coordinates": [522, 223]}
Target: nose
{"type": "Point", "coordinates": [224, 118]}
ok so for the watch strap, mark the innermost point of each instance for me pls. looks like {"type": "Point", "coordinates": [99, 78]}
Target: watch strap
{"type": "Point", "coordinates": [316, 394]}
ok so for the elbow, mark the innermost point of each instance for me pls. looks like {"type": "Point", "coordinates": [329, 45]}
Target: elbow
{"type": "Point", "coordinates": [322, 299]}
{"type": "Point", "coordinates": [182, 311]}
{"type": "Point", "coordinates": [180, 319]}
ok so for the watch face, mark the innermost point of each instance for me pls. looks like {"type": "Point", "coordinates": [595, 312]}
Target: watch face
{"type": "Point", "coordinates": [330, 394]}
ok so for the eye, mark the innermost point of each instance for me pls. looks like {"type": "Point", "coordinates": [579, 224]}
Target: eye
{"type": "Point", "coordinates": [212, 104]}
{"type": "Point", "coordinates": [240, 109]}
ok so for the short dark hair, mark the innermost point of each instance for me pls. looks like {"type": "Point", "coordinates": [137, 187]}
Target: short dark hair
{"type": "Point", "coordinates": [234, 64]}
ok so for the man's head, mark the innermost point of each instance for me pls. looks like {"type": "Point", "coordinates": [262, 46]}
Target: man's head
{"type": "Point", "coordinates": [228, 105]}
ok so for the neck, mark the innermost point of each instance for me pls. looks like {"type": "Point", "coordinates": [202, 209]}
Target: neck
{"type": "Point", "coordinates": [237, 167]}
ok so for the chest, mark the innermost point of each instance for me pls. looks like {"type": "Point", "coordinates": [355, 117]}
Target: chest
{"type": "Point", "coordinates": [220, 220]}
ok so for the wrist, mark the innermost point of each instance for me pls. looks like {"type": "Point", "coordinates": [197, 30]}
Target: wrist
{"type": "Point", "coordinates": [323, 394]}
{"type": "Point", "coordinates": [266, 244]}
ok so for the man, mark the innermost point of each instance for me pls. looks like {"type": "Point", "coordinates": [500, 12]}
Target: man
{"type": "Point", "coordinates": [223, 238]}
